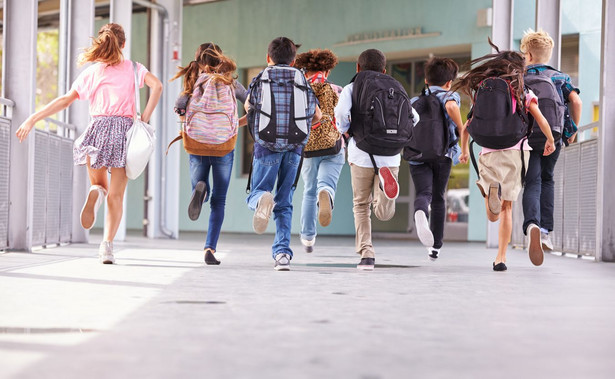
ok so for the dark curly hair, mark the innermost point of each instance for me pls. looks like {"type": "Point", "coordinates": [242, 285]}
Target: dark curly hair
{"type": "Point", "coordinates": [316, 60]}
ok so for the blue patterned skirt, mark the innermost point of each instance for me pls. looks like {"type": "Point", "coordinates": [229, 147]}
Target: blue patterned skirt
{"type": "Point", "coordinates": [104, 142]}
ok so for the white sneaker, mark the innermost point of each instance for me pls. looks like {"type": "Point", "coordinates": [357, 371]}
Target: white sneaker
{"type": "Point", "coordinates": [422, 229]}
{"type": "Point", "coordinates": [263, 213]}
{"type": "Point", "coordinates": [308, 246]}
{"type": "Point", "coordinates": [545, 239]}
{"type": "Point", "coordinates": [96, 196]}
{"type": "Point", "coordinates": [534, 246]}
{"type": "Point", "coordinates": [282, 262]}
{"type": "Point", "coordinates": [105, 253]}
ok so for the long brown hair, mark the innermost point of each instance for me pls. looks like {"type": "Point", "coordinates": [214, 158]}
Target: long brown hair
{"type": "Point", "coordinates": [508, 65]}
{"type": "Point", "coordinates": [207, 59]}
{"type": "Point", "coordinates": [106, 47]}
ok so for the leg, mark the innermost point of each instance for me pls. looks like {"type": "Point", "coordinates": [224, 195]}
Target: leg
{"type": "Point", "coordinates": [532, 191]}
{"type": "Point", "coordinates": [115, 200]}
{"type": "Point", "coordinates": [384, 208]}
{"type": "Point", "coordinates": [309, 173]}
{"type": "Point", "coordinates": [490, 216]}
{"type": "Point", "coordinates": [423, 178]}
{"type": "Point", "coordinates": [505, 231]}
{"type": "Point", "coordinates": [264, 175]}
{"type": "Point", "coordinates": [442, 171]}
{"type": "Point", "coordinates": [221, 169]}
{"type": "Point", "coordinates": [96, 195]}
{"type": "Point", "coordinates": [362, 184]}
{"type": "Point", "coordinates": [283, 210]}
{"type": "Point", "coordinates": [547, 192]}
{"type": "Point", "coordinates": [328, 176]}
{"type": "Point", "coordinates": [199, 177]}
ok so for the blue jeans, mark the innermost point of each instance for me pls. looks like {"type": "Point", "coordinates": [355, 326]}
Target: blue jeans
{"type": "Point", "coordinates": [221, 168]}
{"type": "Point", "coordinates": [266, 169]}
{"type": "Point", "coordinates": [538, 195]}
{"type": "Point", "coordinates": [319, 174]}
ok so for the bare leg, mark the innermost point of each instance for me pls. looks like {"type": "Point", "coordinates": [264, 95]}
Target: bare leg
{"type": "Point", "coordinates": [505, 231]}
{"type": "Point", "coordinates": [98, 176]}
{"type": "Point", "coordinates": [490, 216]}
{"type": "Point", "coordinates": [115, 200]}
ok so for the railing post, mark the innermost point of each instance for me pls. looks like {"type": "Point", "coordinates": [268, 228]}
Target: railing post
{"type": "Point", "coordinates": [19, 78]}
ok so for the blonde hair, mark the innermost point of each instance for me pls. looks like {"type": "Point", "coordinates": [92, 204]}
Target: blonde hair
{"type": "Point", "coordinates": [107, 47]}
{"type": "Point", "coordinates": [539, 44]}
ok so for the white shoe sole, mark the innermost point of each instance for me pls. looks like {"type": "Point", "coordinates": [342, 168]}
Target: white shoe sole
{"type": "Point", "coordinates": [534, 247]}
{"type": "Point", "coordinates": [365, 268]}
{"type": "Point", "coordinates": [88, 212]}
{"type": "Point", "coordinates": [262, 214]}
{"type": "Point", "coordinates": [422, 229]}
{"type": "Point", "coordinates": [107, 260]}
{"type": "Point", "coordinates": [282, 268]}
{"type": "Point", "coordinates": [325, 212]}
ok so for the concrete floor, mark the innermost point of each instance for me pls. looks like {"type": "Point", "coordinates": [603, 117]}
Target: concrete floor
{"type": "Point", "coordinates": [160, 313]}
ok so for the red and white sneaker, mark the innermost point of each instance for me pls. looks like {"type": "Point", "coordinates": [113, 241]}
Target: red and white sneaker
{"type": "Point", "coordinates": [388, 183]}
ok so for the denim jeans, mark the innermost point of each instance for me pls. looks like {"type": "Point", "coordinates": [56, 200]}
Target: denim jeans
{"type": "Point", "coordinates": [265, 170]}
{"type": "Point", "coordinates": [430, 181]}
{"type": "Point", "coordinates": [319, 174]}
{"type": "Point", "coordinates": [221, 168]}
{"type": "Point", "coordinates": [538, 196]}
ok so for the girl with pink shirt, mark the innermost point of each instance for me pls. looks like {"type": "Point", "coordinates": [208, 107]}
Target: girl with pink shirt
{"type": "Point", "coordinates": [500, 170]}
{"type": "Point", "coordinates": [108, 85]}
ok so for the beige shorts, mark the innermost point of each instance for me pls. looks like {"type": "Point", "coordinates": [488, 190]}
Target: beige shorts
{"type": "Point", "coordinates": [502, 167]}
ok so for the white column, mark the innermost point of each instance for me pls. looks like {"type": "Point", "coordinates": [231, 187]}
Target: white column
{"type": "Point", "coordinates": [19, 78]}
{"type": "Point", "coordinates": [502, 36]}
{"type": "Point", "coordinates": [548, 18]}
{"type": "Point", "coordinates": [121, 13]}
{"type": "Point", "coordinates": [606, 180]}
{"type": "Point", "coordinates": [79, 29]}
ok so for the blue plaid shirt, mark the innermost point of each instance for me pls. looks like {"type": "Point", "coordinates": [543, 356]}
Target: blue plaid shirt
{"type": "Point", "coordinates": [282, 114]}
{"type": "Point", "coordinates": [564, 87]}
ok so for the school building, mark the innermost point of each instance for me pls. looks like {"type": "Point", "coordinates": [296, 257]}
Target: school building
{"type": "Point", "coordinates": [164, 34]}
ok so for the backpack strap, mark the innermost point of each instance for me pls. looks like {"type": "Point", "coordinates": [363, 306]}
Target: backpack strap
{"type": "Point", "coordinates": [298, 172]}
{"type": "Point", "coordinates": [473, 158]}
{"type": "Point", "coordinates": [250, 174]}
{"type": "Point", "coordinates": [374, 163]}
{"type": "Point", "coordinates": [266, 100]}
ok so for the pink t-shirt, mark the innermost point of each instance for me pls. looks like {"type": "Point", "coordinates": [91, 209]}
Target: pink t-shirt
{"type": "Point", "coordinates": [529, 98]}
{"type": "Point", "coordinates": [110, 89]}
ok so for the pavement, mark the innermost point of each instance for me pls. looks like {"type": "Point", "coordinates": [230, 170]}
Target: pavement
{"type": "Point", "coordinates": [161, 313]}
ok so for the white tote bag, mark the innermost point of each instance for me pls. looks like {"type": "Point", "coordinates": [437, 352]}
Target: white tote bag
{"type": "Point", "coordinates": [140, 139]}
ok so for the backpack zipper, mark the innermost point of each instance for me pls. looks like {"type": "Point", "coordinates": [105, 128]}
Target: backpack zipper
{"type": "Point", "coordinates": [399, 116]}
{"type": "Point", "coordinates": [381, 112]}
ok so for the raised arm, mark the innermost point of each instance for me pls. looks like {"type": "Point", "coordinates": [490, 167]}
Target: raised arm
{"type": "Point", "coordinates": [52, 108]}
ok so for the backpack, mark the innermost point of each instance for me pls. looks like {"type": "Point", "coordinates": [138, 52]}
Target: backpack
{"type": "Point", "coordinates": [211, 119]}
{"type": "Point", "coordinates": [281, 112]}
{"type": "Point", "coordinates": [430, 136]}
{"type": "Point", "coordinates": [324, 138]}
{"type": "Point", "coordinates": [381, 114]}
{"type": "Point", "coordinates": [549, 102]}
{"type": "Point", "coordinates": [493, 123]}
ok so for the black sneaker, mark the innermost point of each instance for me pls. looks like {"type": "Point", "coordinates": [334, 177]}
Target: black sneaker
{"type": "Point", "coordinates": [366, 264]}
{"type": "Point", "coordinates": [210, 259]}
{"type": "Point", "coordinates": [196, 202]}
{"type": "Point", "coordinates": [433, 253]}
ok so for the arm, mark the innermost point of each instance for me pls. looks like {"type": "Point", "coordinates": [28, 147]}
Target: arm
{"type": "Point", "coordinates": [342, 109]}
{"type": "Point", "coordinates": [155, 91]}
{"type": "Point", "coordinates": [544, 127]}
{"type": "Point", "coordinates": [455, 114]}
{"type": "Point", "coordinates": [575, 106]}
{"type": "Point", "coordinates": [317, 115]}
{"type": "Point", "coordinates": [246, 104]}
{"type": "Point", "coordinates": [52, 108]}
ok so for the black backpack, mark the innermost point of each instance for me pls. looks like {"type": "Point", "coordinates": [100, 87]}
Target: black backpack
{"type": "Point", "coordinates": [381, 114]}
{"type": "Point", "coordinates": [549, 102]}
{"type": "Point", "coordinates": [430, 136]}
{"type": "Point", "coordinates": [493, 123]}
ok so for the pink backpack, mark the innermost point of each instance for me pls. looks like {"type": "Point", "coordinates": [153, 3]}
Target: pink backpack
{"type": "Point", "coordinates": [211, 116]}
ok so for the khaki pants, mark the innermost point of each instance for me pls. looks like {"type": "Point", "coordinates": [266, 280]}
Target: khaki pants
{"type": "Point", "coordinates": [365, 192]}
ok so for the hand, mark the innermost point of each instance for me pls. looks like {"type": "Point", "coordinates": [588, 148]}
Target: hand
{"type": "Point", "coordinates": [549, 147]}
{"type": "Point", "coordinates": [572, 138]}
{"type": "Point", "coordinates": [463, 158]}
{"type": "Point", "coordinates": [24, 129]}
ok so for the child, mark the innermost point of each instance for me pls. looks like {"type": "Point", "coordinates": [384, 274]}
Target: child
{"type": "Point", "coordinates": [108, 84]}
{"type": "Point", "coordinates": [538, 196]}
{"type": "Point", "coordinates": [281, 107]}
{"type": "Point", "coordinates": [210, 68]}
{"type": "Point", "coordinates": [431, 177]}
{"type": "Point", "coordinates": [324, 152]}
{"type": "Point", "coordinates": [368, 187]}
{"type": "Point", "coordinates": [500, 170]}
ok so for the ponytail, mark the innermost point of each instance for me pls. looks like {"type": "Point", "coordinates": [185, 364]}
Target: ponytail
{"type": "Point", "coordinates": [190, 73]}
{"type": "Point", "coordinates": [106, 47]}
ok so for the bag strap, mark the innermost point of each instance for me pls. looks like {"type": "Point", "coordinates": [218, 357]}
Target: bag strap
{"type": "Point", "coordinates": [473, 158]}
{"type": "Point", "coordinates": [137, 95]}
{"type": "Point", "coordinates": [298, 172]}
{"type": "Point", "coordinates": [523, 162]}
{"type": "Point", "coordinates": [374, 163]}
{"type": "Point", "coordinates": [250, 174]}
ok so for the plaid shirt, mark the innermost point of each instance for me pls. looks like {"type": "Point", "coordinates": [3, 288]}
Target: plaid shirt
{"type": "Point", "coordinates": [282, 95]}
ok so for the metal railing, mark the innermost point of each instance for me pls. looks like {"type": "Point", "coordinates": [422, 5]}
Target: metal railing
{"type": "Point", "coordinates": [6, 114]}
{"type": "Point", "coordinates": [575, 200]}
{"type": "Point", "coordinates": [53, 171]}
